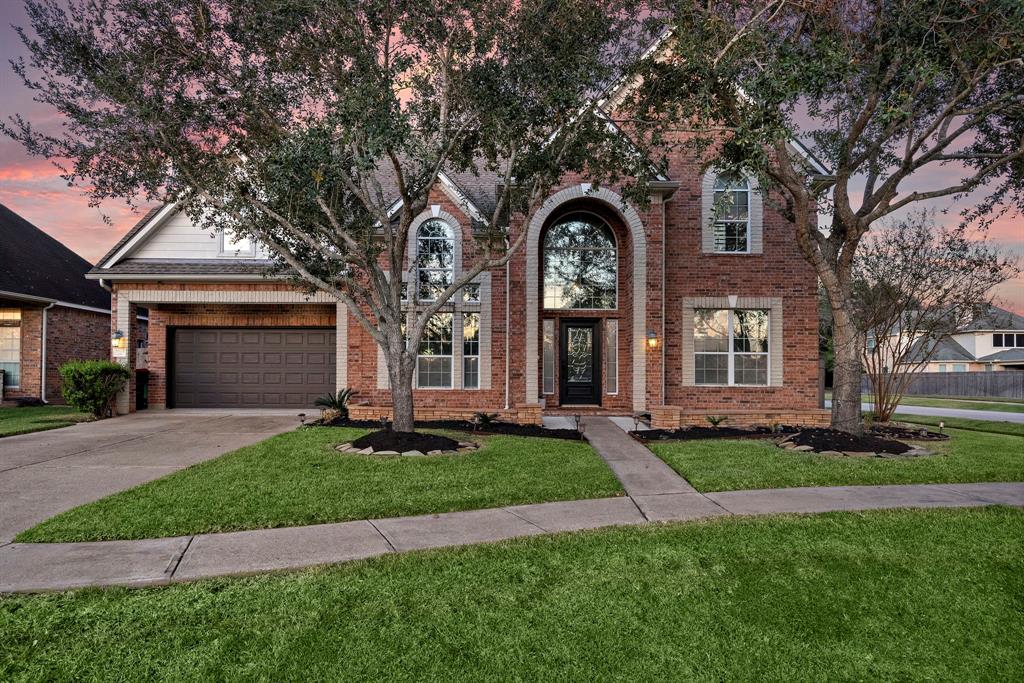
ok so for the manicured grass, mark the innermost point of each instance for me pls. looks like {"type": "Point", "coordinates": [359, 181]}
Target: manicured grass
{"type": "Point", "coordinates": [897, 595]}
{"type": "Point", "coordinates": [298, 478]}
{"type": "Point", "coordinates": [728, 465]}
{"type": "Point", "coordinates": [1005, 405]}
{"type": "Point", "coordinates": [1011, 428]}
{"type": "Point", "coordinates": [26, 420]}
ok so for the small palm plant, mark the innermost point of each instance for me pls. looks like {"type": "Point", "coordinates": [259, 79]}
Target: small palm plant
{"type": "Point", "coordinates": [484, 419]}
{"type": "Point", "coordinates": [337, 402]}
{"type": "Point", "coordinates": [716, 420]}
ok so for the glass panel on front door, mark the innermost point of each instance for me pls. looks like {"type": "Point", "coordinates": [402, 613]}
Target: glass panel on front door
{"type": "Point", "coordinates": [580, 345]}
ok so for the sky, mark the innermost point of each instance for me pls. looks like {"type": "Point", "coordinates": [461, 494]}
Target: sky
{"type": "Point", "coordinates": [32, 187]}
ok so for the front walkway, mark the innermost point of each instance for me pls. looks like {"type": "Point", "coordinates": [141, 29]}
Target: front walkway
{"type": "Point", "coordinates": [45, 473]}
{"type": "Point", "coordinates": [655, 493]}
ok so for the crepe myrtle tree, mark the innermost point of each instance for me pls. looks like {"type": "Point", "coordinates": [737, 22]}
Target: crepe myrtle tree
{"type": "Point", "coordinates": [915, 285]}
{"type": "Point", "coordinates": [902, 101]}
{"type": "Point", "coordinates": [319, 127]}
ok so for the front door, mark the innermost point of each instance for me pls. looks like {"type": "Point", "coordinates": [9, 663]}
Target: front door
{"type": "Point", "coordinates": [580, 367]}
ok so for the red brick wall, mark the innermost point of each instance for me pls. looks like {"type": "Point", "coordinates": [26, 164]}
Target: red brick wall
{"type": "Point", "coordinates": [73, 334]}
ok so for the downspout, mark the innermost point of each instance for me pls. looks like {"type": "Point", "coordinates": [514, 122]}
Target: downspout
{"type": "Point", "coordinates": [664, 298]}
{"type": "Point", "coordinates": [42, 369]}
{"type": "Point", "coordinates": [508, 273]}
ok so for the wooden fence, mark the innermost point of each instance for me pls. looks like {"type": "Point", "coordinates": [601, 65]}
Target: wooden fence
{"type": "Point", "coordinates": [996, 384]}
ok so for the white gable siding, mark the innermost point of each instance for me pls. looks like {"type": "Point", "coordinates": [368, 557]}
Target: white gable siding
{"type": "Point", "coordinates": [178, 238]}
{"type": "Point", "coordinates": [967, 341]}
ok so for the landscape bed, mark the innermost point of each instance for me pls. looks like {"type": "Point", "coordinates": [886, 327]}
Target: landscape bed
{"type": "Point", "coordinates": [893, 595]}
{"type": "Point", "coordinates": [494, 427]}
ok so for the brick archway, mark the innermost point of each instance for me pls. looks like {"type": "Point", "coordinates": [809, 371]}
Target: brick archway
{"type": "Point", "coordinates": [639, 238]}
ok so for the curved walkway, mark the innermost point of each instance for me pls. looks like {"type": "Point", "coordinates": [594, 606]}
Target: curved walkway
{"type": "Point", "coordinates": [655, 494]}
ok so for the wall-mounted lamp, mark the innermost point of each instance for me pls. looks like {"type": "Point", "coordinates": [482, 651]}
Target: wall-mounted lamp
{"type": "Point", "coordinates": [119, 340]}
{"type": "Point", "coordinates": [652, 339]}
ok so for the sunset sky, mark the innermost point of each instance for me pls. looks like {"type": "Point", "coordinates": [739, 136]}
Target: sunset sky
{"type": "Point", "coordinates": [32, 188]}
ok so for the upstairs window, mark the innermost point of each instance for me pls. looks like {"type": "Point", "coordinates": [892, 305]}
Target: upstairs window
{"type": "Point", "coordinates": [731, 347]}
{"type": "Point", "coordinates": [731, 211]}
{"type": "Point", "coordinates": [435, 259]}
{"type": "Point", "coordinates": [580, 264]}
{"type": "Point", "coordinates": [240, 246]}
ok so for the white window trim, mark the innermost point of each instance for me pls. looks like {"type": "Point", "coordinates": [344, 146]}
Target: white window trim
{"type": "Point", "coordinates": [479, 349]}
{"type": "Point", "coordinates": [611, 346]}
{"type": "Point", "coordinates": [731, 352]}
{"type": "Point", "coordinates": [749, 222]}
{"type": "Point", "coordinates": [618, 256]}
{"type": "Point", "coordinates": [755, 216]}
{"type": "Point", "coordinates": [19, 361]}
{"type": "Point", "coordinates": [776, 349]}
{"type": "Point", "coordinates": [224, 252]}
{"type": "Point", "coordinates": [452, 356]}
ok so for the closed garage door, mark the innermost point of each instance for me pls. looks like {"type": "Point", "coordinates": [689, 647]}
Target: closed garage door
{"type": "Point", "coordinates": [252, 368]}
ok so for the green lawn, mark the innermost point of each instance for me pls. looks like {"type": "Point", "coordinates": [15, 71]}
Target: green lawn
{"type": "Point", "coordinates": [25, 420]}
{"type": "Point", "coordinates": [1005, 405]}
{"type": "Point", "coordinates": [896, 595]}
{"type": "Point", "coordinates": [298, 478]}
{"type": "Point", "coordinates": [728, 465]}
{"type": "Point", "coordinates": [1011, 428]}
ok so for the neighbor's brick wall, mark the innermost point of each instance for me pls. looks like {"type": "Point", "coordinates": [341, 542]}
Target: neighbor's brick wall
{"type": "Point", "coordinates": [73, 334]}
{"type": "Point", "coordinates": [31, 355]}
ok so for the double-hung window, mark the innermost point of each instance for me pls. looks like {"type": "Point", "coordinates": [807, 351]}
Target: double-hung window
{"type": "Point", "coordinates": [731, 347]}
{"type": "Point", "coordinates": [471, 350]}
{"type": "Point", "coordinates": [731, 214]}
{"type": "Point", "coordinates": [435, 259]}
{"type": "Point", "coordinates": [10, 346]}
{"type": "Point", "coordinates": [434, 359]}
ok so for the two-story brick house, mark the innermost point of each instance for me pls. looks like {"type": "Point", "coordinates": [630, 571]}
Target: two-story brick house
{"type": "Point", "coordinates": [697, 303]}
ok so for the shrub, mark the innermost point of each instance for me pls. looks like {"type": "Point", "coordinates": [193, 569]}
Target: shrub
{"type": "Point", "coordinates": [337, 402]}
{"type": "Point", "coordinates": [91, 385]}
{"type": "Point", "coordinates": [716, 420]}
{"type": "Point", "coordinates": [484, 419]}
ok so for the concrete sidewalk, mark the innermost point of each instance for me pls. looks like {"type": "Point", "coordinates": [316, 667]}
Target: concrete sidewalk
{"type": "Point", "coordinates": [987, 415]}
{"type": "Point", "coordinates": [26, 567]}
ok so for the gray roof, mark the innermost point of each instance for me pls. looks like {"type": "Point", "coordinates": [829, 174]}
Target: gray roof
{"type": "Point", "coordinates": [945, 350]}
{"type": "Point", "coordinates": [131, 233]}
{"type": "Point", "coordinates": [1005, 356]}
{"type": "Point", "coordinates": [34, 264]}
{"type": "Point", "coordinates": [185, 267]}
{"type": "Point", "coordinates": [996, 319]}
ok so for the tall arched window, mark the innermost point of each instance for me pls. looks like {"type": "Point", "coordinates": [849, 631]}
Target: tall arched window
{"type": "Point", "coordinates": [580, 264]}
{"type": "Point", "coordinates": [732, 214]}
{"type": "Point", "coordinates": [435, 259]}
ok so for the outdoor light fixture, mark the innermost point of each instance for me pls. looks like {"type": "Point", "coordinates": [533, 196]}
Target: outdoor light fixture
{"type": "Point", "coordinates": [652, 339]}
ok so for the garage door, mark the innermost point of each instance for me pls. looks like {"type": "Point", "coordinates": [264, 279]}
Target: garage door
{"type": "Point", "coordinates": [252, 368]}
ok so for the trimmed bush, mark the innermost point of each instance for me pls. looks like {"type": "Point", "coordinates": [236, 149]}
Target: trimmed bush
{"type": "Point", "coordinates": [91, 385]}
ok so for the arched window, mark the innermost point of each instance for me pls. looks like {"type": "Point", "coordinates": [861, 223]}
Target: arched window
{"type": "Point", "coordinates": [435, 259]}
{"type": "Point", "coordinates": [580, 264]}
{"type": "Point", "coordinates": [731, 214]}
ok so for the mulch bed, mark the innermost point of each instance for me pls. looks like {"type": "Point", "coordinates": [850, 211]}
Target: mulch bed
{"type": "Point", "coordinates": [501, 428]}
{"type": "Point", "coordinates": [823, 440]}
{"type": "Point", "coordinates": [693, 433]}
{"type": "Point", "coordinates": [400, 442]}
{"type": "Point", "coordinates": [898, 431]}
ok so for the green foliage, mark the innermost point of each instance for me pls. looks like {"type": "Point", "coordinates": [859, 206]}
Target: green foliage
{"type": "Point", "coordinates": [484, 419]}
{"type": "Point", "coordinates": [715, 420]}
{"type": "Point", "coordinates": [91, 385]}
{"type": "Point", "coordinates": [338, 401]}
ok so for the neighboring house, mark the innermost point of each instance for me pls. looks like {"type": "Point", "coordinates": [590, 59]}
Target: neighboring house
{"type": "Point", "coordinates": [673, 308]}
{"type": "Point", "coordinates": [49, 312]}
{"type": "Point", "coordinates": [993, 341]}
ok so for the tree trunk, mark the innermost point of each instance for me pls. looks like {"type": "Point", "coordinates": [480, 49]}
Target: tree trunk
{"type": "Point", "coordinates": [400, 369]}
{"type": "Point", "coordinates": [846, 378]}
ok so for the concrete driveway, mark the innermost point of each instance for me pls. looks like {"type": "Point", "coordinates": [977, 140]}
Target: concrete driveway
{"type": "Point", "coordinates": [48, 472]}
{"type": "Point", "coordinates": [988, 415]}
